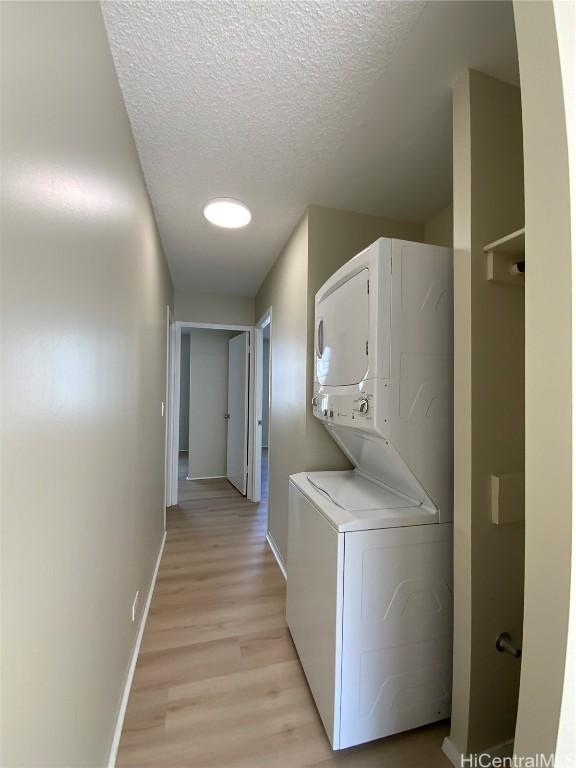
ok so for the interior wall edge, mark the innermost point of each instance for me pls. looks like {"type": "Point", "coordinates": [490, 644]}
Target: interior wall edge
{"type": "Point", "coordinates": [284, 290]}
{"type": "Point", "coordinates": [565, 17]}
{"type": "Point", "coordinates": [462, 165]}
{"type": "Point", "coordinates": [548, 379]}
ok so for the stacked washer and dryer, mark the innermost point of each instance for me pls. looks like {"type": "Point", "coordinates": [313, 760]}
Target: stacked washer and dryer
{"type": "Point", "coordinates": [369, 592]}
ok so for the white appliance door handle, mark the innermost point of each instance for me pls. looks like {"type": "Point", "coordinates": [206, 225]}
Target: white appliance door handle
{"type": "Point", "coordinates": [320, 339]}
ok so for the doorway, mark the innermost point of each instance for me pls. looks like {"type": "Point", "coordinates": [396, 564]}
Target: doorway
{"type": "Point", "coordinates": [212, 436]}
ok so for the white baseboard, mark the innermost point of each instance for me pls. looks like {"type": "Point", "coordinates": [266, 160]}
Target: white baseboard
{"type": "Point", "coordinates": [506, 749]}
{"type": "Point", "coordinates": [276, 553]}
{"type": "Point", "coordinates": [207, 477]}
{"type": "Point", "coordinates": [129, 676]}
{"type": "Point", "coordinates": [452, 752]}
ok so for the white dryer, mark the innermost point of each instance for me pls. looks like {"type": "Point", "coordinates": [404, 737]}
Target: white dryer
{"type": "Point", "coordinates": [369, 596]}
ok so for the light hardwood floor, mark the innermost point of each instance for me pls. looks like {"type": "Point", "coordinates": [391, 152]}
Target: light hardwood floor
{"type": "Point", "coordinates": [218, 683]}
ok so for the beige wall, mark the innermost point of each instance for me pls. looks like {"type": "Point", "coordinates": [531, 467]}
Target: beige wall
{"type": "Point", "coordinates": [438, 230]}
{"type": "Point", "coordinates": [84, 295]}
{"type": "Point", "coordinates": [548, 378]}
{"type": "Point", "coordinates": [488, 410]}
{"type": "Point", "coordinates": [208, 402]}
{"type": "Point", "coordinates": [285, 290]}
{"type": "Point", "coordinates": [323, 241]}
{"type": "Point", "coordinates": [208, 308]}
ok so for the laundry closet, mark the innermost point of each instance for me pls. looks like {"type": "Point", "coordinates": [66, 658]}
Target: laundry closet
{"type": "Point", "coordinates": [369, 600]}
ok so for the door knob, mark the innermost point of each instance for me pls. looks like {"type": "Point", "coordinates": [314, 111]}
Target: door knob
{"type": "Point", "coordinates": [504, 644]}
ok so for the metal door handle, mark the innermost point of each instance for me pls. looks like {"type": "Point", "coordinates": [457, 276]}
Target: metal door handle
{"type": "Point", "coordinates": [504, 644]}
{"type": "Point", "coordinates": [227, 416]}
{"type": "Point", "coordinates": [320, 339]}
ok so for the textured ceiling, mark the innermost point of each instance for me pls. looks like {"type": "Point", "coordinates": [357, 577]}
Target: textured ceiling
{"type": "Point", "coordinates": [286, 103]}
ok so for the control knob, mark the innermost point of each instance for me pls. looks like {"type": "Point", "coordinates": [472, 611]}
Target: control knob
{"type": "Point", "coordinates": [363, 406]}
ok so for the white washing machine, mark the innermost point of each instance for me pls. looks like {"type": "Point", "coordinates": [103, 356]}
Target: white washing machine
{"type": "Point", "coordinates": [369, 593]}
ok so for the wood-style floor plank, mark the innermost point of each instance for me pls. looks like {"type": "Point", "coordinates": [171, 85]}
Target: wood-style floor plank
{"type": "Point", "coordinates": [218, 683]}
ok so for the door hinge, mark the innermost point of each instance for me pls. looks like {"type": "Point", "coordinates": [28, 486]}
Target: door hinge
{"type": "Point", "coordinates": [367, 286]}
{"type": "Point", "coordinates": [366, 347]}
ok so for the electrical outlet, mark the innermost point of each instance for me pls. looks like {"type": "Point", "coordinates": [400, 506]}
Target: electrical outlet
{"type": "Point", "coordinates": [135, 605]}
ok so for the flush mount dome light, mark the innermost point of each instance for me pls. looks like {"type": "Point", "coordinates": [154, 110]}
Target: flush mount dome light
{"type": "Point", "coordinates": [227, 212]}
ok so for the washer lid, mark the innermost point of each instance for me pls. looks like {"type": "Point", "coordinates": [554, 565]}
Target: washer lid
{"type": "Point", "coordinates": [376, 458]}
{"type": "Point", "coordinates": [356, 493]}
{"type": "Point", "coordinates": [343, 519]}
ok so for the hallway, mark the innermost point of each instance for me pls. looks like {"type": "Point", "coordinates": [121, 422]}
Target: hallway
{"type": "Point", "coordinates": [218, 683]}
{"type": "Point", "coordinates": [372, 205]}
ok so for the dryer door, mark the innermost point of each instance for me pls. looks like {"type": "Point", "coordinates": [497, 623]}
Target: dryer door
{"type": "Point", "coordinates": [342, 325]}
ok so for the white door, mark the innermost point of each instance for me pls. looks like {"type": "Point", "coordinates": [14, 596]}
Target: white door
{"type": "Point", "coordinates": [237, 415]}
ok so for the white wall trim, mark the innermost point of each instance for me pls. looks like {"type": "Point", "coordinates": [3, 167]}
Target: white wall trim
{"type": "Point", "coordinates": [215, 326]}
{"type": "Point", "coordinates": [168, 409]}
{"type": "Point", "coordinates": [276, 553]}
{"type": "Point", "coordinates": [207, 477]}
{"type": "Point", "coordinates": [175, 414]}
{"type": "Point", "coordinates": [250, 330]}
{"type": "Point", "coordinates": [130, 674]}
{"type": "Point", "coordinates": [452, 753]}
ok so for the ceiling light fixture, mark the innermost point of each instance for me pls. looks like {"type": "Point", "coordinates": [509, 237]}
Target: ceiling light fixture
{"type": "Point", "coordinates": [227, 212]}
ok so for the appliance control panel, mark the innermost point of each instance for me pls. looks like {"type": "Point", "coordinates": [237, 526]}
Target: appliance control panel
{"type": "Point", "coordinates": [351, 409]}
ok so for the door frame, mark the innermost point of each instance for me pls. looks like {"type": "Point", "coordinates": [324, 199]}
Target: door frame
{"type": "Point", "coordinates": [178, 326]}
{"type": "Point", "coordinates": [264, 320]}
{"type": "Point", "coordinates": [169, 410]}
